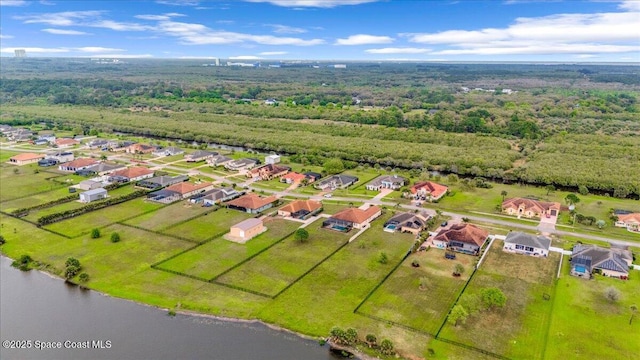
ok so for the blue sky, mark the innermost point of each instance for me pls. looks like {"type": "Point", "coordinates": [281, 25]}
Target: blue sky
{"type": "Point", "coordinates": [498, 30]}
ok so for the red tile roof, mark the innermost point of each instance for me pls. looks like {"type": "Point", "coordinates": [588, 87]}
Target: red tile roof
{"type": "Point", "coordinates": [356, 215]}
{"type": "Point", "coordinates": [538, 206]}
{"type": "Point", "coordinates": [66, 141]}
{"type": "Point", "coordinates": [629, 218]}
{"type": "Point", "coordinates": [309, 205]}
{"type": "Point", "coordinates": [187, 187]}
{"type": "Point", "coordinates": [133, 172]}
{"type": "Point", "coordinates": [294, 176]}
{"type": "Point", "coordinates": [436, 190]}
{"type": "Point", "coordinates": [252, 201]}
{"type": "Point", "coordinates": [466, 233]}
{"type": "Point", "coordinates": [82, 162]}
{"type": "Point", "coordinates": [27, 157]}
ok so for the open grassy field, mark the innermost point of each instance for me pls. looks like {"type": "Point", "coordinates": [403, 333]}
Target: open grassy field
{"type": "Point", "coordinates": [216, 256]}
{"type": "Point", "coordinates": [519, 329]}
{"type": "Point", "coordinates": [401, 298]}
{"type": "Point", "coordinates": [96, 219]}
{"type": "Point", "coordinates": [585, 324]}
{"type": "Point", "coordinates": [273, 270]}
{"type": "Point", "coordinates": [207, 226]}
{"type": "Point", "coordinates": [168, 216]}
{"type": "Point", "coordinates": [24, 182]}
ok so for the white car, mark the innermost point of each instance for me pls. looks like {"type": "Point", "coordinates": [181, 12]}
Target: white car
{"type": "Point", "coordinates": [327, 195]}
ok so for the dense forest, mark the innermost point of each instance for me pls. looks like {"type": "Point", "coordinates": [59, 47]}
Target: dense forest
{"type": "Point", "coordinates": [566, 125]}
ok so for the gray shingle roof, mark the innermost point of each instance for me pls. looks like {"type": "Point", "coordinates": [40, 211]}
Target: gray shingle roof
{"type": "Point", "coordinates": [521, 238]}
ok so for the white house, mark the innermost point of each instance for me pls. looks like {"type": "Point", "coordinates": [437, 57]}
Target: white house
{"type": "Point", "coordinates": [521, 243]}
{"type": "Point", "coordinates": [272, 159]}
{"type": "Point", "coordinates": [93, 195]}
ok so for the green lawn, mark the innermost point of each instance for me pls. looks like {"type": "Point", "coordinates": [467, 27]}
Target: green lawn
{"type": "Point", "coordinates": [586, 325]}
{"type": "Point", "coordinates": [5, 155]}
{"type": "Point", "coordinates": [214, 257]}
{"type": "Point", "coordinates": [402, 300]}
{"type": "Point", "coordinates": [25, 182]}
{"type": "Point", "coordinates": [271, 185]}
{"type": "Point", "coordinates": [273, 270]}
{"type": "Point", "coordinates": [207, 226]}
{"type": "Point", "coordinates": [168, 216]}
{"type": "Point", "coordinates": [519, 329]}
{"type": "Point", "coordinates": [84, 223]}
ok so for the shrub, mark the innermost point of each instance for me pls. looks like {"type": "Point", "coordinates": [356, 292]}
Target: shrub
{"type": "Point", "coordinates": [95, 233]}
{"type": "Point", "coordinates": [84, 277]}
{"type": "Point", "coordinates": [2, 240]}
{"type": "Point", "coordinates": [23, 262]}
{"type": "Point", "coordinates": [493, 297]}
{"type": "Point", "coordinates": [382, 258]}
{"type": "Point", "coordinates": [371, 340]}
{"type": "Point", "coordinates": [71, 271]}
{"type": "Point", "coordinates": [115, 237]}
{"type": "Point", "coordinates": [612, 294]}
{"type": "Point", "coordinates": [72, 262]}
{"type": "Point", "coordinates": [386, 347]}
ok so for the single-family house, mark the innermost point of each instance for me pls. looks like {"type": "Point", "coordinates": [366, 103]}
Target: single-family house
{"type": "Point", "coordinates": [20, 135]}
{"type": "Point", "coordinates": [60, 156]}
{"type": "Point", "coordinates": [268, 172]}
{"type": "Point", "coordinates": [47, 162]}
{"type": "Point", "coordinates": [428, 191]}
{"type": "Point", "coordinates": [272, 159]}
{"type": "Point", "coordinates": [25, 158]}
{"type": "Point", "coordinates": [292, 177]}
{"type": "Point", "coordinates": [134, 173]}
{"type": "Point", "coordinates": [312, 176]}
{"type": "Point", "coordinates": [407, 222]}
{"type": "Point", "coordinates": [164, 196]}
{"type": "Point", "coordinates": [241, 164]}
{"type": "Point", "coordinates": [630, 221]}
{"type": "Point", "coordinates": [93, 195]}
{"type": "Point", "coordinates": [270, 101]}
{"type": "Point", "coordinates": [45, 139]}
{"type": "Point", "coordinates": [89, 185]}
{"type": "Point", "coordinates": [530, 208]}
{"type": "Point", "coordinates": [77, 164]}
{"type": "Point", "coordinates": [168, 151]}
{"type": "Point", "coordinates": [98, 144]}
{"type": "Point", "coordinates": [352, 218]}
{"type": "Point", "coordinates": [159, 182]}
{"type": "Point", "coordinates": [216, 196]}
{"type": "Point", "coordinates": [199, 155]}
{"type": "Point", "coordinates": [464, 238]}
{"type": "Point", "coordinates": [117, 146]}
{"type": "Point", "coordinates": [140, 149]}
{"type": "Point", "coordinates": [521, 243]}
{"type": "Point", "coordinates": [393, 182]}
{"type": "Point", "coordinates": [101, 169]}
{"type": "Point", "coordinates": [252, 203]}
{"type": "Point", "coordinates": [218, 160]}
{"type": "Point", "coordinates": [66, 142]}
{"type": "Point", "coordinates": [187, 189]}
{"type": "Point", "coordinates": [246, 230]}
{"type": "Point", "coordinates": [301, 209]}
{"type": "Point", "coordinates": [336, 182]}
{"type": "Point", "coordinates": [587, 260]}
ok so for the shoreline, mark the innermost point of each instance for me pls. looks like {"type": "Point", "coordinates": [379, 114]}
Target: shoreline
{"type": "Point", "coordinates": [357, 354]}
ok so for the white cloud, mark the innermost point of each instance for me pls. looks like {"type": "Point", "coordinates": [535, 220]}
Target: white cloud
{"type": "Point", "coordinates": [179, 2]}
{"type": "Point", "coordinates": [96, 49]}
{"type": "Point", "coordinates": [245, 57]}
{"type": "Point", "coordinates": [225, 22]}
{"type": "Point", "coordinates": [363, 39]}
{"type": "Point", "coordinates": [120, 56]}
{"type": "Point", "coordinates": [48, 3]}
{"type": "Point", "coordinates": [633, 5]}
{"type": "Point", "coordinates": [36, 50]}
{"type": "Point", "coordinates": [64, 32]}
{"type": "Point", "coordinates": [273, 53]}
{"type": "Point", "coordinates": [152, 17]}
{"type": "Point", "coordinates": [65, 18]}
{"type": "Point", "coordinates": [284, 29]}
{"type": "Point", "coordinates": [13, 3]}
{"type": "Point", "coordinates": [2, 36]}
{"type": "Point", "coordinates": [398, 51]}
{"type": "Point", "coordinates": [313, 3]}
{"type": "Point", "coordinates": [554, 34]}
{"type": "Point", "coordinates": [585, 56]}
{"type": "Point", "coordinates": [119, 26]}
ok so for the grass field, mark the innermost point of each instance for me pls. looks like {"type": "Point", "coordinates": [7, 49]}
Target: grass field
{"type": "Point", "coordinates": [519, 329]}
{"type": "Point", "coordinates": [216, 256]}
{"type": "Point", "coordinates": [402, 300]}
{"type": "Point", "coordinates": [25, 182]}
{"type": "Point", "coordinates": [585, 324]}
{"type": "Point", "coordinates": [96, 219]}
{"type": "Point", "coordinates": [207, 226]}
{"type": "Point", "coordinates": [271, 271]}
{"type": "Point", "coordinates": [168, 216]}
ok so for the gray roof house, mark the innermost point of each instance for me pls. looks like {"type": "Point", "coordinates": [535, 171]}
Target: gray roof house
{"type": "Point", "coordinates": [216, 196]}
{"type": "Point", "coordinates": [93, 195]}
{"type": "Point", "coordinates": [199, 155]}
{"type": "Point", "coordinates": [407, 222]}
{"type": "Point", "coordinates": [89, 185]}
{"type": "Point", "coordinates": [521, 243]}
{"type": "Point", "coordinates": [161, 181]}
{"type": "Point", "coordinates": [218, 160]}
{"type": "Point", "coordinates": [241, 164]}
{"type": "Point", "coordinates": [168, 151]}
{"type": "Point", "coordinates": [103, 168]}
{"type": "Point", "coordinates": [589, 259]}
{"type": "Point", "coordinates": [336, 182]}
{"type": "Point", "coordinates": [393, 182]}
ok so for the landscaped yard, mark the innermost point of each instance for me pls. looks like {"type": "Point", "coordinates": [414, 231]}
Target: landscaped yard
{"type": "Point", "coordinates": [420, 297]}
{"type": "Point", "coordinates": [208, 226]}
{"type": "Point", "coordinates": [276, 268]}
{"type": "Point", "coordinates": [96, 219]}
{"type": "Point", "coordinates": [216, 256]}
{"type": "Point", "coordinates": [519, 329]}
{"type": "Point", "coordinates": [168, 216]}
{"type": "Point", "coordinates": [585, 324]}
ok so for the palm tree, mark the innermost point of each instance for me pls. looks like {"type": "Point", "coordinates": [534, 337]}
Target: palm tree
{"type": "Point", "coordinates": [504, 194]}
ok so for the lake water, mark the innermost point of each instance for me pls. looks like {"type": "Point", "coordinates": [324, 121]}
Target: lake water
{"type": "Point", "coordinates": [35, 307]}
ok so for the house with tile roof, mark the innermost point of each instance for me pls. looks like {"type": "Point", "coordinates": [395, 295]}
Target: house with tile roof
{"type": "Point", "coordinates": [140, 149]}
{"type": "Point", "coordinates": [301, 209]}
{"type": "Point", "coordinates": [630, 221]}
{"type": "Point", "coordinates": [25, 159]}
{"type": "Point", "coordinates": [292, 177]}
{"type": "Point", "coordinates": [407, 222]}
{"type": "Point", "coordinates": [352, 218]}
{"type": "Point", "coordinates": [187, 189]}
{"type": "Point", "coordinates": [252, 203]}
{"type": "Point", "coordinates": [268, 172]}
{"type": "Point", "coordinates": [530, 208]}
{"type": "Point", "coordinates": [66, 142]}
{"type": "Point", "coordinates": [428, 191]}
{"type": "Point", "coordinates": [134, 173]}
{"type": "Point", "coordinates": [587, 260]}
{"type": "Point", "coordinates": [464, 238]}
{"type": "Point", "coordinates": [527, 244]}
{"type": "Point", "coordinates": [393, 182]}
{"type": "Point", "coordinates": [77, 164]}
